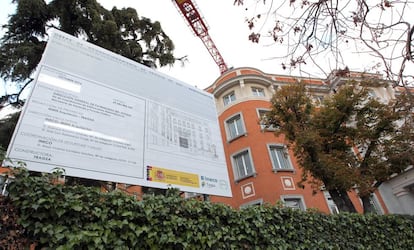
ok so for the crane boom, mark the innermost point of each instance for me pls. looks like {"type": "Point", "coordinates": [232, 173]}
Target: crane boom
{"type": "Point", "coordinates": [191, 14]}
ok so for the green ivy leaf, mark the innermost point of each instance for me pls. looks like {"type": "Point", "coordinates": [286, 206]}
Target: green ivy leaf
{"type": "Point", "coordinates": [77, 207]}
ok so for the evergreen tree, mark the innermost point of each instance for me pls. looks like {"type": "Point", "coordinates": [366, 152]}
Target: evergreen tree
{"type": "Point", "coordinates": [119, 30]}
{"type": "Point", "coordinates": [7, 125]}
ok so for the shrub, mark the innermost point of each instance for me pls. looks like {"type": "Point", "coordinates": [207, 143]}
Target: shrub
{"type": "Point", "coordinates": [76, 217]}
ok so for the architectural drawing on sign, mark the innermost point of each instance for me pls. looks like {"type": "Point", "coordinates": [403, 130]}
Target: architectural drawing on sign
{"type": "Point", "coordinates": [170, 130]}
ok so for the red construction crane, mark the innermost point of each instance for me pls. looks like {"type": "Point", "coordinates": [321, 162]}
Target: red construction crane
{"type": "Point", "coordinates": [190, 12]}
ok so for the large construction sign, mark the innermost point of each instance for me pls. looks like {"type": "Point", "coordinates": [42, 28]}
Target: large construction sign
{"type": "Point", "coordinates": [102, 116]}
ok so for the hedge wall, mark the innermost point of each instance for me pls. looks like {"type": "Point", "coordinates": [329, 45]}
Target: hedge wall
{"type": "Point", "coordinates": [78, 217]}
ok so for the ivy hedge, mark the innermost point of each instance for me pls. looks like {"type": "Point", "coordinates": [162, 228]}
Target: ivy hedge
{"type": "Point", "coordinates": [77, 217]}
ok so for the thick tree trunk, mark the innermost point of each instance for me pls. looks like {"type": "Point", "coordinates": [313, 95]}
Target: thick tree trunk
{"type": "Point", "coordinates": [342, 201]}
{"type": "Point", "coordinates": [367, 205]}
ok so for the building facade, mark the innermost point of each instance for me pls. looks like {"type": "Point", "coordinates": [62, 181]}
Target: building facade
{"type": "Point", "coordinates": [262, 168]}
{"type": "Point", "coordinates": [398, 193]}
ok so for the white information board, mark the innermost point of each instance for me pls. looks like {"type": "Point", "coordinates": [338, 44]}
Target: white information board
{"type": "Point", "coordinates": [102, 116]}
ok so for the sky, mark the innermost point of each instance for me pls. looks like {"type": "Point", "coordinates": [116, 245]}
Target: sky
{"type": "Point", "coordinates": [228, 30]}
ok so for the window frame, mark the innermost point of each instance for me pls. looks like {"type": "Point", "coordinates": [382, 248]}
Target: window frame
{"type": "Point", "coordinates": [373, 199]}
{"type": "Point", "coordinates": [333, 208]}
{"type": "Point", "coordinates": [4, 183]}
{"type": "Point", "coordinates": [245, 151]}
{"type": "Point", "coordinates": [371, 93]}
{"type": "Point", "coordinates": [227, 123]}
{"type": "Point", "coordinates": [302, 204]}
{"type": "Point", "coordinates": [257, 202]}
{"type": "Point", "coordinates": [270, 148]}
{"type": "Point", "coordinates": [318, 100]}
{"type": "Point", "coordinates": [262, 126]}
{"type": "Point", "coordinates": [258, 92]}
{"type": "Point", "coordinates": [227, 101]}
{"type": "Point", "coordinates": [376, 203]}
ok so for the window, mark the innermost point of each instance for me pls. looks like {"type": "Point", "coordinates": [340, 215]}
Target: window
{"type": "Point", "coordinates": [252, 203]}
{"type": "Point", "coordinates": [235, 127]}
{"type": "Point", "coordinates": [318, 100]}
{"type": "Point", "coordinates": [258, 91]}
{"type": "Point", "coordinates": [371, 94]}
{"type": "Point", "coordinates": [280, 158]}
{"type": "Point", "coordinates": [227, 99]}
{"type": "Point", "coordinates": [188, 195]}
{"type": "Point", "coordinates": [374, 203]}
{"type": "Point", "coordinates": [331, 204]}
{"type": "Point", "coordinates": [361, 150]}
{"type": "Point", "coordinates": [3, 185]}
{"type": "Point", "coordinates": [294, 202]}
{"type": "Point", "coordinates": [242, 165]}
{"type": "Point", "coordinates": [263, 116]}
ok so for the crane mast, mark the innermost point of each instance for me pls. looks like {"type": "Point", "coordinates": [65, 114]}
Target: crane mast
{"type": "Point", "coordinates": [191, 14]}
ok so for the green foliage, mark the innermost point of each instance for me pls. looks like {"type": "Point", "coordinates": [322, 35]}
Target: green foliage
{"type": "Point", "coordinates": [119, 30]}
{"type": "Point", "coordinates": [7, 125]}
{"type": "Point", "coordinates": [351, 140]}
{"type": "Point", "coordinates": [77, 217]}
{"type": "Point", "coordinates": [11, 233]}
{"type": "Point", "coordinates": [291, 111]}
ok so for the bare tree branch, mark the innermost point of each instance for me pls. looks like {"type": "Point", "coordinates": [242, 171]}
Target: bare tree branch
{"type": "Point", "coordinates": [330, 33]}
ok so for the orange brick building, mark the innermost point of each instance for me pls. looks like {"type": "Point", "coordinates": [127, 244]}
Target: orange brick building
{"type": "Point", "coordinates": [261, 167]}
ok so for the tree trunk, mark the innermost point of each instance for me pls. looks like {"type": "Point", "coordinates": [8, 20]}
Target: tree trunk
{"type": "Point", "coordinates": [367, 205]}
{"type": "Point", "coordinates": [342, 201]}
